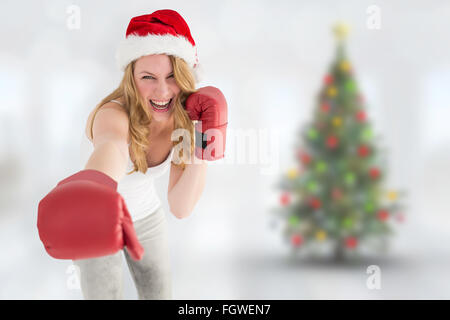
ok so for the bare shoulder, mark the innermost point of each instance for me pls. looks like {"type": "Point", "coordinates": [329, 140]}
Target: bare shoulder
{"type": "Point", "coordinates": [111, 119]}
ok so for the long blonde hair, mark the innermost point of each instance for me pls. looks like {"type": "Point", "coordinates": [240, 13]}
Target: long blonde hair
{"type": "Point", "coordinates": [139, 116]}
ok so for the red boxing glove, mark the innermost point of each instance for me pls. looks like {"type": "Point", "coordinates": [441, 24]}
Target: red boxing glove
{"type": "Point", "coordinates": [209, 107]}
{"type": "Point", "coordinates": [85, 217]}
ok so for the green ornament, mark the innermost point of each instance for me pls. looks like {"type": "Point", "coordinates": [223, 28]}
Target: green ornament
{"type": "Point", "coordinates": [349, 178]}
{"type": "Point", "coordinates": [367, 134]}
{"type": "Point", "coordinates": [350, 86]}
{"type": "Point", "coordinates": [369, 206]}
{"type": "Point", "coordinates": [347, 223]}
{"type": "Point", "coordinates": [321, 166]}
{"type": "Point", "coordinates": [312, 186]}
{"type": "Point", "coordinates": [312, 134]}
{"type": "Point", "coordinates": [294, 221]}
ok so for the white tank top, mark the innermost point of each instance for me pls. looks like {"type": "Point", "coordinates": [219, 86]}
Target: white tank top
{"type": "Point", "coordinates": [137, 189]}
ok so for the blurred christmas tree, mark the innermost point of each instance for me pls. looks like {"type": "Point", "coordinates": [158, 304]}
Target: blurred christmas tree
{"type": "Point", "coordinates": [335, 196]}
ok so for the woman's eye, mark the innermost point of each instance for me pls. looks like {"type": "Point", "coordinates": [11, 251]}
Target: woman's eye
{"type": "Point", "coordinates": [150, 77]}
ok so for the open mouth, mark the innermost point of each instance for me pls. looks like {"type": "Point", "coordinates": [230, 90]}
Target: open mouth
{"type": "Point", "coordinates": [161, 107]}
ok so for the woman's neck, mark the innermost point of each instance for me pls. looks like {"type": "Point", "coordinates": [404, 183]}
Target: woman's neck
{"type": "Point", "coordinates": [158, 127]}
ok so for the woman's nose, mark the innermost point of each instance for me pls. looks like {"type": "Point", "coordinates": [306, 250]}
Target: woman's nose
{"type": "Point", "coordinates": [162, 90]}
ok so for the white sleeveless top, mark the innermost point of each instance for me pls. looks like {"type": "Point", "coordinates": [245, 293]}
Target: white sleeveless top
{"type": "Point", "coordinates": [137, 189]}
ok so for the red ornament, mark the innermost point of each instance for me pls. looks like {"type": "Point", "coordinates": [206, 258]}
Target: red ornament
{"type": "Point", "coordinates": [285, 198]}
{"type": "Point", "coordinates": [304, 157]}
{"type": "Point", "coordinates": [361, 116]}
{"type": "Point", "coordinates": [363, 150]}
{"type": "Point", "coordinates": [374, 173]}
{"type": "Point", "coordinates": [325, 107]}
{"type": "Point", "coordinates": [332, 141]}
{"type": "Point", "coordinates": [351, 242]}
{"type": "Point", "coordinates": [315, 203]}
{"type": "Point", "coordinates": [297, 240]}
{"type": "Point", "coordinates": [383, 215]}
{"type": "Point", "coordinates": [328, 79]}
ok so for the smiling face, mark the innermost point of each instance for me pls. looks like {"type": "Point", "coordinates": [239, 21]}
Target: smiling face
{"type": "Point", "coordinates": [153, 75]}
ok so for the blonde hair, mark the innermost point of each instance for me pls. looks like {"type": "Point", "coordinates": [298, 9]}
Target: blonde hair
{"type": "Point", "coordinates": [139, 116]}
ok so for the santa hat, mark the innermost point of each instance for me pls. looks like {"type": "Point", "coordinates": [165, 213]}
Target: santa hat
{"type": "Point", "coordinates": [162, 32]}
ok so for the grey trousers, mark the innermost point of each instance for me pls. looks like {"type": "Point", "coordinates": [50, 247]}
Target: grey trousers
{"type": "Point", "coordinates": [102, 278]}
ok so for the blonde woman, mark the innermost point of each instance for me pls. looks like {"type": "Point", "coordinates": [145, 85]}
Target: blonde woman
{"type": "Point", "coordinates": [112, 205]}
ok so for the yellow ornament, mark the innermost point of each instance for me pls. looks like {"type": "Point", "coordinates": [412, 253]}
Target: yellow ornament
{"type": "Point", "coordinates": [332, 91]}
{"type": "Point", "coordinates": [337, 121]}
{"type": "Point", "coordinates": [392, 195]}
{"type": "Point", "coordinates": [341, 30]}
{"type": "Point", "coordinates": [321, 235]}
{"type": "Point", "coordinates": [344, 66]}
{"type": "Point", "coordinates": [292, 173]}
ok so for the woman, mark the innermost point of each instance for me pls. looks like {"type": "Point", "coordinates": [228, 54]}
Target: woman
{"type": "Point", "coordinates": [102, 277]}
{"type": "Point", "coordinates": [131, 142]}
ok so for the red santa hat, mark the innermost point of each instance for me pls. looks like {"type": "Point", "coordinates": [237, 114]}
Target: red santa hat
{"type": "Point", "coordinates": [161, 32]}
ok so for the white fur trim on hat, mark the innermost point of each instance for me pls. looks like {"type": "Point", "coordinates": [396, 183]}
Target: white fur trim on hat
{"type": "Point", "coordinates": [134, 47]}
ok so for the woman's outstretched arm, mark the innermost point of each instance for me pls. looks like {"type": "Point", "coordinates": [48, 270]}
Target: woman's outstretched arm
{"type": "Point", "coordinates": [110, 134]}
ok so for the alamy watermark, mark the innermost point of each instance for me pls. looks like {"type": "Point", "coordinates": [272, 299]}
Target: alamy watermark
{"type": "Point", "coordinates": [374, 280]}
{"type": "Point", "coordinates": [73, 279]}
{"type": "Point", "coordinates": [373, 21]}
{"type": "Point", "coordinates": [73, 21]}
{"type": "Point", "coordinates": [242, 146]}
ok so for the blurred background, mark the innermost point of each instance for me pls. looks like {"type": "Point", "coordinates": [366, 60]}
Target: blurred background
{"type": "Point", "coordinates": [269, 59]}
